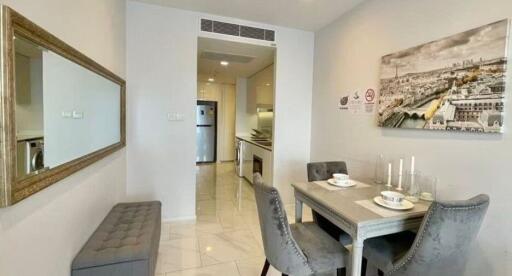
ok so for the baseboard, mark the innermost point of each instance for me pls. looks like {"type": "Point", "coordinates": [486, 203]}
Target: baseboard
{"type": "Point", "coordinates": [189, 218]}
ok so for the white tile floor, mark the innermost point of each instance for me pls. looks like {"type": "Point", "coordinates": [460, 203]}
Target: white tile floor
{"type": "Point", "coordinates": [225, 239]}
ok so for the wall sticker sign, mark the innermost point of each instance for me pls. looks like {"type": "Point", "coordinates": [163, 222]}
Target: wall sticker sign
{"type": "Point", "coordinates": [357, 102]}
{"type": "Point", "coordinates": [369, 97]}
{"type": "Point", "coordinates": [343, 103]}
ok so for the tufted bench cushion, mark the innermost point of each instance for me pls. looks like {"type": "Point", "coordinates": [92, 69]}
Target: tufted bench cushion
{"type": "Point", "coordinates": [125, 244]}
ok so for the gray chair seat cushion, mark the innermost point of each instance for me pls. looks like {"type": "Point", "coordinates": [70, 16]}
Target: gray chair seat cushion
{"type": "Point", "coordinates": [384, 251]}
{"type": "Point", "coordinates": [129, 233]}
{"type": "Point", "coordinates": [322, 251]}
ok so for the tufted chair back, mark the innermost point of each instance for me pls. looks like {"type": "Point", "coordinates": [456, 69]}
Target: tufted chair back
{"type": "Point", "coordinates": [281, 249]}
{"type": "Point", "coordinates": [444, 239]}
{"type": "Point", "coordinates": [320, 171]}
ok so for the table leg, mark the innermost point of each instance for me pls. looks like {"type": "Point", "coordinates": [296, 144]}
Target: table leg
{"type": "Point", "coordinates": [357, 256]}
{"type": "Point", "coordinates": [298, 211]}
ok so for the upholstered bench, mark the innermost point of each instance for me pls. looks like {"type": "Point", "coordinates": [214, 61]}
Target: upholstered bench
{"type": "Point", "coordinates": [125, 244]}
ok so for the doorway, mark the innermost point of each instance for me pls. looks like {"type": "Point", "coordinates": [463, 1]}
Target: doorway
{"type": "Point", "coordinates": [239, 79]}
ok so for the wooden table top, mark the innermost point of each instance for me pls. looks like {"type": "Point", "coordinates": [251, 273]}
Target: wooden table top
{"type": "Point", "coordinates": [347, 203]}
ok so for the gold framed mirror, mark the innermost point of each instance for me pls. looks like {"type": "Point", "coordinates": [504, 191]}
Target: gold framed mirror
{"type": "Point", "coordinates": [60, 111]}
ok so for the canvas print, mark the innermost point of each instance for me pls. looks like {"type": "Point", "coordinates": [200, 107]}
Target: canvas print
{"type": "Point", "coordinates": [456, 83]}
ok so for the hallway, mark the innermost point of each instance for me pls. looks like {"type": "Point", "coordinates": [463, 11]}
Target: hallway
{"type": "Point", "coordinates": [225, 239]}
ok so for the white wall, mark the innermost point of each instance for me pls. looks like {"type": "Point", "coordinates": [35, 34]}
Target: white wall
{"type": "Point", "coordinates": [162, 75]}
{"type": "Point", "coordinates": [42, 234]}
{"type": "Point", "coordinates": [292, 110]}
{"type": "Point", "coordinates": [347, 57]}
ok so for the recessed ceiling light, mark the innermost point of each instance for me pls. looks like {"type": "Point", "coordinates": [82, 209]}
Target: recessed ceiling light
{"type": "Point", "coordinates": [211, 79]}
{"type": "Point", "coordinates": [224, 63]}
{"type": "Point", "coordinates": [268, 84]}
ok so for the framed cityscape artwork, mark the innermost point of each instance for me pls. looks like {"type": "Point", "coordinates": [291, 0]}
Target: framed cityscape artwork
{"type": "Point", "coordinates": [455, 83]}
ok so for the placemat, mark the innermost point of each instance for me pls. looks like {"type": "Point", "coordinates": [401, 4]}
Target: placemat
{"type": "Point", "coordinates": [330, 187]}
{"type": "Point", "coordinates": [384, 212]}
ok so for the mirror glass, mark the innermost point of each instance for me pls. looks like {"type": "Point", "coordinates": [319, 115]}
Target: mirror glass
{"type": "Point", "coordinates": [63, 110]}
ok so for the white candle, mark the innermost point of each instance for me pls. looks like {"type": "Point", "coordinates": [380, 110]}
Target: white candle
{"type": "Point", "coordinates": [400, 175]}
{"type": "Point", "coordinates": [412, 164]}
{"type": "Point", "coordinates": [389, 174]}
{"type": "Point", "coordinates": [412, 171]}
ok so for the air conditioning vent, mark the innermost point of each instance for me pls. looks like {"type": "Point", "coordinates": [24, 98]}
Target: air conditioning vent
{"type": "Point", "coordinates": [206, 25]}
{"type": "Point", "coordinates": [236, 30]}
{"type": "Point", "coordinates": [226, 28]}
{"type": "Point", "coordinates": [251, 32]}
{"type": "Point", "coordinates": [270, 35]}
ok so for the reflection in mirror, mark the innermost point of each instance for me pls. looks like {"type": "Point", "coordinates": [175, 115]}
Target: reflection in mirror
{"type": "Point", "coordinates": [63, 110]}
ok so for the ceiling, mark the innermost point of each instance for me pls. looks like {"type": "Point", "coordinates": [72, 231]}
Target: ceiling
{"type": "Point", "coordinates": [308, 15]}
{"type": "Point", "coordinates": [244, 59]}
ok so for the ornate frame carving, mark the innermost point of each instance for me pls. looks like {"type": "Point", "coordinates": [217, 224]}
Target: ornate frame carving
{"type": "Point", "coordinates": [13, 190]}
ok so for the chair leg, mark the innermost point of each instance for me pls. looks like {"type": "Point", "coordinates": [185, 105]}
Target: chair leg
{"type": "Point", "coordinates": [265, 268]}
{"type": "Point", "coordinates": [341, 272]}
{"type": "Point", "coordinates": [364, 264]}
{"type": "Point", "coordinates": [380, 273]}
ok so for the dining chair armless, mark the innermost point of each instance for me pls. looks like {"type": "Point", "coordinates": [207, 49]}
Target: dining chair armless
{"type": "Point", "coordinates": [441, 245]}
{"type": "Point", "coordinates": [321, 171]}
{"type": "Point", "coordinates": [297, 249]}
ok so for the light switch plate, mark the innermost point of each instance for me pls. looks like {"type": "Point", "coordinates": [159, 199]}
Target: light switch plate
{"type": "Point", "coordinates": [78, 115]}
{"type": "Point", "coordinates": [175, 116]}
{"type": "Point", "coordinates": [66, 114]}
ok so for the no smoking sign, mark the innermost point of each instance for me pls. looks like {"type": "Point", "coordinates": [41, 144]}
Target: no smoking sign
{"type": "Point", "coordinates": [369, 95]}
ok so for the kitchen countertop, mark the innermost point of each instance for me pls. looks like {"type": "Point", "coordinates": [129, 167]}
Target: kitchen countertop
{"type": "Point", "coordinates": [26, 137]}
{"type": "Point", "coordinates": [248, 139]}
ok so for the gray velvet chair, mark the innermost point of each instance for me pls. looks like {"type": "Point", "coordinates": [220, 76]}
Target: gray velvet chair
{"type": "Point", "coordinates": [321, 171]}
{"type": "Point", "coordinates": [441, 245]}
{"type": "Point", "coordinates": [297, 249]}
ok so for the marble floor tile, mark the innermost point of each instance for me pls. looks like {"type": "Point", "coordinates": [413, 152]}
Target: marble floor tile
{"type": "Point", "coordinates": [225, 239]}
{"type": "Point", "coordinates": [175, 255]}
{"type": "Point", "coordinates": [230, 246]}
{"type": "Point", "coordinates": [224, 269]}
{"type": "Point", "coordinates": [253, 267]}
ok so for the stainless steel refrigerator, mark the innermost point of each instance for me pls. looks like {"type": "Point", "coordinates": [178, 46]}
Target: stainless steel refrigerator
{"type": "Point", "coordinates": [206, 130]}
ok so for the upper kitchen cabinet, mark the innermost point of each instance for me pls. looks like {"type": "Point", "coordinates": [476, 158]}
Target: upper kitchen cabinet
{"type": "Point", "coordinates": [260, 90]}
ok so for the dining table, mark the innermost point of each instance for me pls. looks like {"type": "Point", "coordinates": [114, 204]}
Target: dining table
{"type": "Point", "coordinates": [354, 211]}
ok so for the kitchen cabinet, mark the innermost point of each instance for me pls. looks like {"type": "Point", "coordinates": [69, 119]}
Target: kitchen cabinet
{"type": "Point", "coordinates": [251, 152]}
{"type": "Point", "coordinates": [247, 161]}
{"type": "Point", "coordinates": [260, 90]}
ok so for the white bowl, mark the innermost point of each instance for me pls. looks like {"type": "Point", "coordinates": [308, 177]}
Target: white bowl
{"type": "Point", "coordinates": [340, 177]}
{"type": "Point", "coordinates": [391, 197]}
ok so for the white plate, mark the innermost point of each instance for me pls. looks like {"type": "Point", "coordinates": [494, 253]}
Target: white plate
{"type": "Point", "coordinates": [405, 205]}
{"type": "Point", "coordinates": [350, 183]}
